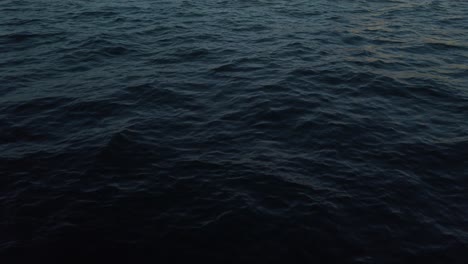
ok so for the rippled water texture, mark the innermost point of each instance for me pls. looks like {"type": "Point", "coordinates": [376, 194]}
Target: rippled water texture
{"type": "Point", "coordinates": [234, 131]}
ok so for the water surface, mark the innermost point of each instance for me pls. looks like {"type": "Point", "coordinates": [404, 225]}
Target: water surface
{"type": "Point", "coordinates": [234, 131]}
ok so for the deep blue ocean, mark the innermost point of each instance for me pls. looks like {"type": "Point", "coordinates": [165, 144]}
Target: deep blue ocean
{"type": "Point", "coordinates": [234, 131]}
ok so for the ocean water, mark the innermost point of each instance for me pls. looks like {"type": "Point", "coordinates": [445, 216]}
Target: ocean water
{"type": "Point", "coordinates": [235, 131]}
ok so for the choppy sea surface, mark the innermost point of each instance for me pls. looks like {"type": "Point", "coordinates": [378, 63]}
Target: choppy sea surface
{"type": "Point", "coordinates": [235, 131]}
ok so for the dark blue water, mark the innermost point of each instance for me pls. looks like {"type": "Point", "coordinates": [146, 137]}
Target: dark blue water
{"type": "Point", "coordinates": [302, 131]}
